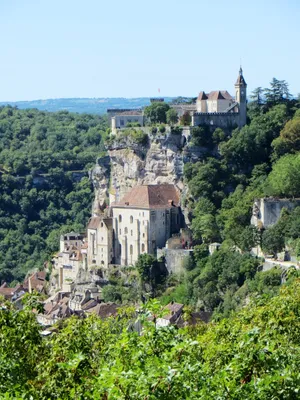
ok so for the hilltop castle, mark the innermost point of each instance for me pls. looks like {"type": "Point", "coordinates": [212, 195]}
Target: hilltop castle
{"type": "Point", "coordinates": [217, 109]}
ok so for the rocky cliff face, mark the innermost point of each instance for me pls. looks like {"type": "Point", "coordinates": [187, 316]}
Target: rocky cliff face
{"type": "Point", "coordinates": [128, 164]}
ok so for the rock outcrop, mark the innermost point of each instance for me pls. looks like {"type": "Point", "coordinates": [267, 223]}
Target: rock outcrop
{"type": "Point", "coordinates": [161, 161]}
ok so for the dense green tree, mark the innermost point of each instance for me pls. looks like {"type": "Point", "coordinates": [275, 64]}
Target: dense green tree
{"type": "Point", "coordinates": [284, 179]}
{"type": "Point", "coordinates": [40, 196]}
{"type": "Point", "coordinates": [278, 92]}
{"type": "Point", "coordinates": [171, 116]}
{"type": "Point", "coordinates": [157, 112]}
{"type": "Point", "coordinates": [186, 119]}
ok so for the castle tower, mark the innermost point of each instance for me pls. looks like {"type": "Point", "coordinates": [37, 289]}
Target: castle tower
{"type": "Point", "coordinates": [241, 97]}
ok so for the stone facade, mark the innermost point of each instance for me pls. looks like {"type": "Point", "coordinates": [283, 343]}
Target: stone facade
{"type": "Point", "coordinates": [100, 241]}
{"type": "Point", "coordinates": [144, 220]}
{"type": "Point", "coordinates": [266, 211]}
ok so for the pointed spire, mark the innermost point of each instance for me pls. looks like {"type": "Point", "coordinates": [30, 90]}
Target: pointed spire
{"type": "Point", "coordinates": [240, 80]}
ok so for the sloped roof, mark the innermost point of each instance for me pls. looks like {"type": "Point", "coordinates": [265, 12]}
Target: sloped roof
{"type": "Point", "coordinates": [241, 80]}
{"type": "Point", "coordinates": [202, 96]}
{"type": "Point", "coordinates": [150, 196]}
{"type": "Point", "coordinates": [104, 310]}
{"type": "Point", "coordinates": [219, 95]}
{"type": "Point", "coordinates": [131, 113]}
{"type": "Point", "coordinates": [94, 222]}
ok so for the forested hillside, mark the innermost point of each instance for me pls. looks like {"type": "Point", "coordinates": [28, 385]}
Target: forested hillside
{"type": "Point", "coordinates": [261, 159]}
{"type": "Point", "coordinates": [40, 194]}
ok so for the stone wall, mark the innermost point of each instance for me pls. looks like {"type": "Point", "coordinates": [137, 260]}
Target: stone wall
{"type": "Point", "coordinates": [217, 120]}
{"type": "Point", "coordinates": [266, 211]}
{"type": "Point", "coordinates": [176, 259]}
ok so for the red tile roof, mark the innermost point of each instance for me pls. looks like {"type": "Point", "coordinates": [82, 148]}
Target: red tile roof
{"type": "Point", "coordinates": [150, 196]}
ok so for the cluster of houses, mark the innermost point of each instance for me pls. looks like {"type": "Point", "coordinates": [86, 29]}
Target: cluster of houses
{"type": "Point", "coordinates": [141, 222]}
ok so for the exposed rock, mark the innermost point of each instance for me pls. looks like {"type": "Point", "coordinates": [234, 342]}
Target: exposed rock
{"type": "Point", "coordinates": [159, 162]}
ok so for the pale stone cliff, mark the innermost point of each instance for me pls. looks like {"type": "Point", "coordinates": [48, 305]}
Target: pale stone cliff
{"type": "Point", "coordinates": [129, 164]}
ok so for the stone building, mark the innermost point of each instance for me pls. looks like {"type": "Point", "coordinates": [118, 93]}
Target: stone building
{"type": "Point", "coordinates": [141, 222]}
{"type": "Point", "coordinates": [144, 220]}
{"type": "Point", "coordinates": [217, 109]}
{"type": "Point", "coordinates": [100, 241]}
{"type": "Point", "coordinates": [121, 117]}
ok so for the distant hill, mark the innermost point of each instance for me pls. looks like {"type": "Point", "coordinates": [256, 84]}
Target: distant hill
{"type": "Point", "coordinates": [82, 105]}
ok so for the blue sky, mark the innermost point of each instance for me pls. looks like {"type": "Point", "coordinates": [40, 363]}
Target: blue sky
{"type": "Point", "coordinates": [130, 48]}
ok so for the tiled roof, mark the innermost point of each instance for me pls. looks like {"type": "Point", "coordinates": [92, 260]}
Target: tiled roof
{"type": "Point", "coordinates": [202, 96]}
{"type": "Point", "coordinates": [89, 304]}
{"type": "Point", "coordinates": [37, 280]}
{"type": "Point", "coordinates": [104, 310]}
{"type": "Point", "coordinates": [215, 95]}
{"type": "Point", "coordinates": [133, 113]}
{"type": "Point", "coordinates": [175, 310]}
{"type": "Point", "coordinates": [150, 196]}
{"type": "Point", "coordinates": [94, 222]}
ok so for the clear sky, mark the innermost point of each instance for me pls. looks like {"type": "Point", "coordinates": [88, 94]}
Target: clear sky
{"type": "Point", "coordinates": [130, 48]}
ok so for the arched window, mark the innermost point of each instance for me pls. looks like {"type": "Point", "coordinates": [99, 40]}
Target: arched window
{"type": "Point", "coordinates": [143, 248]}
{"type": "Point", "coordinates": [131, 250]}
{"type": "Point", "coordinates": [101, 224]}
{"type": "Point", "coordinates": [131, 219]}
{"type": "Point", "coordinates": [120, 218]}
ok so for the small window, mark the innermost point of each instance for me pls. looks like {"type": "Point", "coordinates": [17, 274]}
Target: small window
{"type": "Point", "coordinates": [131, 249]}
{"type": "Point", "coordinates": [102, 239]}
{"type": "Point", "coordinates": [101, 225]}
{"type": "Point", "coordinates": [131, 219]}
{"type": "Point", "coordinates": [143, 235]}
{"type": "Point", "coordinates": [120, 231]}
{"type": "Point", "coordinates": [120, 218]}
{"type": "Point", "coordinates": [102, 262]}
{"type": "Point", "coordinates": [126, 231]}
{"type": "Point", "coordinates": [143, 248]}
{"type": "Point", "coordinates": [131, 233]}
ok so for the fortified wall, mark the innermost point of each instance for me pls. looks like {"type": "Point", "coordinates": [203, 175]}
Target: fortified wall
{"type": "Point", "coordinates": [227, 121]}
{"type": "Point", "coordinates": [266, 211]}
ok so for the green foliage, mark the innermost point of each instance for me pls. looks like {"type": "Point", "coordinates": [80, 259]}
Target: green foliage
{"type": "Point", "coordinates": [157, 112]}
{"type": "Point", "coordinates": [171, 116]}
{"type": "Point", "coordinates": [145, 264]}
{"type": "Point", "coordinates": [39, 194]}
{"type": "Point", "coordinates": [284, 179]}
{"type": "Point", "coordinates": [128, 136]}
{"type": "Point", "coordinates": [201, 136]}
{"type": "Point", "coordinates": [253, 354]}
{"type": "Point", "coordinates": [186, 119]}
{"type": "Point", "coordinates": [289, 139]}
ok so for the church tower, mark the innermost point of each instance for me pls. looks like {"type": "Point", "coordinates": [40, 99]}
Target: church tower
{"type": "Point", "coordinates": [241, 97]}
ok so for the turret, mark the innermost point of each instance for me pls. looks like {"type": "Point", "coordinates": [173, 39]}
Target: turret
{"type": "Point", "coordinates": [241, 97]}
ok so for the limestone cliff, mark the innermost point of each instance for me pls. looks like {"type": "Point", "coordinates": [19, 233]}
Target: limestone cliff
{"type": "Point", "coordinates": [130, 164]}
